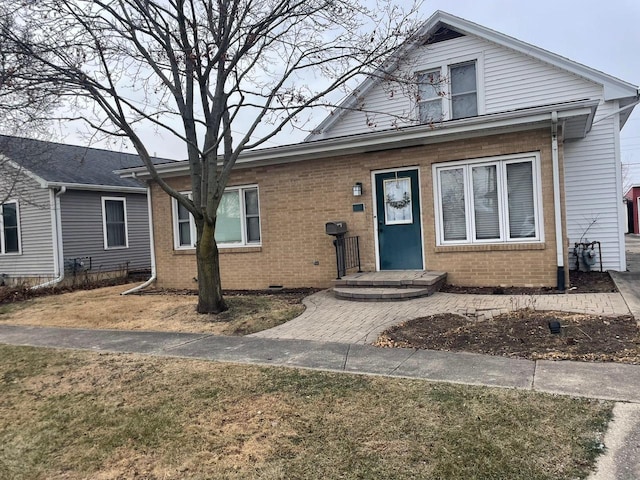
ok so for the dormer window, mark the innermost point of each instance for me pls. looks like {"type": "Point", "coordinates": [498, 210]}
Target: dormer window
{"type": "Point", "coordinates": [464, 90]}
{"type": "Point", "coordinates": [430, 96]}
{"type": "Point", "coordinates": [448, 92]}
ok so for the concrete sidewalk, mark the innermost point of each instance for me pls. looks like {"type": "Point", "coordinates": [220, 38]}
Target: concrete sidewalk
{"type": "Point", "coordinates": [596, 380]}
{"type": "Point", "coordinates": [628, 283]}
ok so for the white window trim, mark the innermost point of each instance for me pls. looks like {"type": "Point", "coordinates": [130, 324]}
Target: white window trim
{"type": "Point", "coordinates": [2, 241]}
{"type": "Point", "coordinates": [502, 162]}
{"type": "Point", "coordinates": [104, 223]}
{"type": "Point", "coordinates": [243, 231]}
{"type": "Point", "coordinates": [176, 229]}
{"type": "Point", "coordinates": [445, 73]}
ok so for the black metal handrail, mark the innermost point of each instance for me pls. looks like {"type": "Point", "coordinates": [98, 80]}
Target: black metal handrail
{"type": "Point", "coordinates": [347, 254]}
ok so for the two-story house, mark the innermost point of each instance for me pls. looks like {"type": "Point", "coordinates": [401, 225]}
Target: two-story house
{"type": "Point", "coordinates": [488, 163]}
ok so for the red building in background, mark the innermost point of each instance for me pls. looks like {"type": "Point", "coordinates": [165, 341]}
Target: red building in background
{"type": "Point", "coordinates": [633, 205]}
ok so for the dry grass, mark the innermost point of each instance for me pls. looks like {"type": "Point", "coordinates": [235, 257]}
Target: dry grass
{"type": "Point", "coordinates": [77, 415]}
{"type": "Point", "coordinates": [105, 308]}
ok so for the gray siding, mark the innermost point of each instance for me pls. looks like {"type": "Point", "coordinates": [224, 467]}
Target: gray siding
{"type": "Point", "coordinates": [82, 230]}
{"type": "Point", "coordinates": [34, 209]}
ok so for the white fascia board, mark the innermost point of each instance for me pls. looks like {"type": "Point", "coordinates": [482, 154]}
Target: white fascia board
{"type": "Point", "coordinates": [613, 87]}
{"type": "Point", "coordinates": [98, 188]}
{"type": "Point", "coordinates": [41, 181]}
{"type": "Point", "coordinates": [371, 80]}
{"type": "Point", "coordinates": [515, 120]}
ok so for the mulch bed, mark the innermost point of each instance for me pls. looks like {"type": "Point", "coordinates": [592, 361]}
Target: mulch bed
{"type": "Point", "coordinates": [524, 334]}
{"type": "Point", "coordinates": [580, 282]}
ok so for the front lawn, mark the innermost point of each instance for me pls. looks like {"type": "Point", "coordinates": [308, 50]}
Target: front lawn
{"type": "Point", "coordinates": [105, 308]}
{"type": "Point", "coordinates": [73, 415]}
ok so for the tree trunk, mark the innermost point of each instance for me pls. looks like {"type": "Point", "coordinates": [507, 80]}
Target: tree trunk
{"type": "Point", "coordinates": [209, 286]}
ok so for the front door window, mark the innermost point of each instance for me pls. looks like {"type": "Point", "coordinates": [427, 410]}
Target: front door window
{"type": "Point", "coordinates": [397, 201]}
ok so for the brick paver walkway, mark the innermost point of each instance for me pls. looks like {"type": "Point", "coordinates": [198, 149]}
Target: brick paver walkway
{"type": "Point", "coordinates": [330, 319]}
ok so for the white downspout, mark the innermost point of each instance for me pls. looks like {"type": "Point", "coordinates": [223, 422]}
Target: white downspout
{"type": "Point", "coordinates": [556, 202]}
{"type": "Point", "coordinates": [58, 254]}
{"type": "Point", "coordinates": [153, 250]}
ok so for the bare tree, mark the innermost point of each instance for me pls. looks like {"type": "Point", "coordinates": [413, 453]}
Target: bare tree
{"type": "Point", "coordinates": [202, 70]}
{"type": "Point", "coordinates": [25, 108]}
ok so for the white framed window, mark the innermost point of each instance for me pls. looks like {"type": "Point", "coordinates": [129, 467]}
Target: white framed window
{"type": "Point", "coordinates": [10, 240]}
{"type": "Point", "coordinates": [237, 224]}
{"type": "Point", "coordinates": [492, 200]}
{"type": "Point", "coordinates": [114, 222]}
{"type": "Point", "coordinates": [451, 91]}
{"type": "Point", "coordinates": [430, 93]}
{"type": "Point", "coordinates": [464, 90]}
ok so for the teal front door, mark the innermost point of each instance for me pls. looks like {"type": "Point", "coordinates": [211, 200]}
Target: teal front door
{"type": "Point", "coordinates": [398, 220]}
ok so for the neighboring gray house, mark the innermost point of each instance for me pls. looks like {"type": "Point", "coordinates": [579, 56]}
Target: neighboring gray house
{"type": "Point", "coordinates": [64, 212]}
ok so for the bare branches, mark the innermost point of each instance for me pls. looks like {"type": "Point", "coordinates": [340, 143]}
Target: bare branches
{"type": "Point", "coordinates": [198, 70]}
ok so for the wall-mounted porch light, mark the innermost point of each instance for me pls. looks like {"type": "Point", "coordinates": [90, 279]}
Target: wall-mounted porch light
{"type": "Point", "coordinates": [357, 189]}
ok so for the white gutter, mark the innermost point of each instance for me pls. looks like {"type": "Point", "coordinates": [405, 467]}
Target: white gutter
{"type": "Point", "coordinates": [58, 254]}
{"type": "Point", "coordinates": [152, 251]}
{"type": "Point", "coordinates": [556, 201]}
{"type": "Point", "coordinates": [616, 112]}
{"type": "Point", "coordinates": [411, 136]}
{"type": "Point", "coordinates": [92, 187]}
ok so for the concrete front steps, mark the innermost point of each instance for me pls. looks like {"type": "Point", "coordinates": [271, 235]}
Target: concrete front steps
{"type": "Point", "coordinates": [388, 285]}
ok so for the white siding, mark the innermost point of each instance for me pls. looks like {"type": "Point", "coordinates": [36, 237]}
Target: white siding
{"type": "Point", "coordinates": [36, 257]}
{"type": "Point", "coordinates": [510, 79]}
{"type": "Point", "coordinates": [591, 189]}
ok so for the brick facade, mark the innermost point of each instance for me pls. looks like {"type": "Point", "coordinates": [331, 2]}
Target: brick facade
{"type": "Point", "coordinates": [297, 199]}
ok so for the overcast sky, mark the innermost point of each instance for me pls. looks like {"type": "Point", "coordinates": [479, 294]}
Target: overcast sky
{"type": "Point", "coordinates": [604, 35]}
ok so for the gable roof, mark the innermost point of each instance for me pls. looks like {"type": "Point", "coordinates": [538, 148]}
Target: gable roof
{"type": "Point", "coordinates": [445, 25]}
{"type": "Point", "coordinates": [56, 164]}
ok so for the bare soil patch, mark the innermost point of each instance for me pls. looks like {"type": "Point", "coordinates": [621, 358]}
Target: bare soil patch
{"type": "Point", "coordinates": [524, 334]}
{"type": "Point", "coordinates": [105, 308]}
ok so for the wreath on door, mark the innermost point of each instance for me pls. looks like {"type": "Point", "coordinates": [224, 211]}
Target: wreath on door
{"type": "Point", "coordinates": [399, 204]}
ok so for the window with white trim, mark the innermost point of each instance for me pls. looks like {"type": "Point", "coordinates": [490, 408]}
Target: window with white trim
{"type": "Point", "coordinates": [492, 200]}
{"type": "Point", "coordinates": [430, 93]}
{"type": "Point", "coordinates": [448, 92]}
{"type": "Point", "coordinates": [114, 222]}
{"type": "Point", "coordinates": [464, 90]}
{"type": "Point", "coordinates": [9, 228]}
{"type": "Point", "coordinates": [237, 223]}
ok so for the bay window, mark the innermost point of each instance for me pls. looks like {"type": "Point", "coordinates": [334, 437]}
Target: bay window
{"type": "Point", "coordinates": [488, 200]}
{"type": "Point", "coordinates": [237, 223]}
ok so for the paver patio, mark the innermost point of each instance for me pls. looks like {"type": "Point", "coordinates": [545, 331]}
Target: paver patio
{"type": "Point", "coordinates": [330, 319]}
